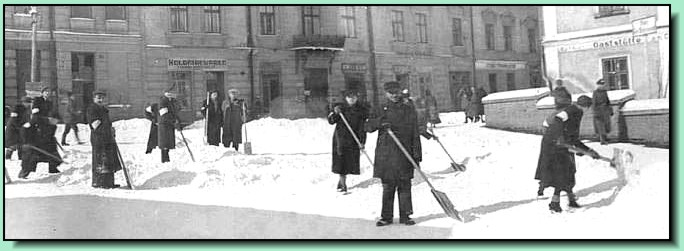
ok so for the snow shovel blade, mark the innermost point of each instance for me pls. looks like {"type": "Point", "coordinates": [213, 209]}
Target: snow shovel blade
{"type": "Point", "coordinates": [248, 148]}
{"type": "Point", "coordinates": [446, 204]}
{"type": "Point", "coordinates": [460, 167]}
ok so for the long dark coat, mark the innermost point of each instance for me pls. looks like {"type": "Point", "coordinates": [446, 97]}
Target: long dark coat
{"type": "Point", "coordinates": [390, 163]}
{"type": "Point", "coordinates": [214, 122]}
{"type": "Point", "coordinates": [151, 113]}
{"type": "Point", "coordinates": [556, 166]}
{"type": "Point", "coordinates": [602, 111]}
{"type": "Point", "coordinates": [13, 132]}
{"type": "Point", "coordinates": [475, 106]}
{"type": "Point", "coordinates": [346, 152]}
{"type": "Point", "coordinates": [105, 161]}
{"type": "Point", "coordinates": [432, 110]}
{"type": "Point", "coordinates": [232, 122]}
{"type": "Point", "coordinates": [168, 118]}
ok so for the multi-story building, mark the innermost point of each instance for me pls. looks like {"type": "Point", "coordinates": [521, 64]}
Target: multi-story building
{"type": "Point", "coordinates": [627, 46]}
{"type": "Point", "coordinates": [288, 61]}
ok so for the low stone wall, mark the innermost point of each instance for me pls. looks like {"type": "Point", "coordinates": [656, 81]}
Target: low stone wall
{"type": "Point", "coordinates": [647, 121]}
{"type": "Point", "coordinates": [515, 110]}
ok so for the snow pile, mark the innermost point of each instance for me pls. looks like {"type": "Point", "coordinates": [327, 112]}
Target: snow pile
{"type": "Point", "coordinates": [290, 171]}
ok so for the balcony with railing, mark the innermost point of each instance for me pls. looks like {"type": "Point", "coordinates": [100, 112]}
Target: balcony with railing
{"type": "Point", "coordinates": [318, 42]}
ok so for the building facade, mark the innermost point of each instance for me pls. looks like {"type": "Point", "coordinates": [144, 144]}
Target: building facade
{"type": "Point", "coordinates": [627, 46]}
{"type": "Point", "coordinates": [286, 61]}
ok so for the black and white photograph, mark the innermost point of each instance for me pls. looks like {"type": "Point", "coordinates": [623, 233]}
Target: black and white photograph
{"type": "Point", "coordinates": [337, 122]}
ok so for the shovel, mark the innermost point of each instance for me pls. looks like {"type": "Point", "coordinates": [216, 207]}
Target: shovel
{"type": "Point", "coordinates": [358, 142]}
{"type": "Point", "coordinates": [123, 166]}
{"type": "Point", "coordinates": [457, 167]}
{"type": "Point", "coordinates": [620, 161]}
{"type": "Point", "coordinates": [186, 145]}
{"type": "Point", "coordinates": [206, 121]}
{"type": "Point", "coordinates": [57, 158]}
{"type": "Point", "coordinates": [441, 197]}
{"type": "Point", "coordinates": [248, 145]}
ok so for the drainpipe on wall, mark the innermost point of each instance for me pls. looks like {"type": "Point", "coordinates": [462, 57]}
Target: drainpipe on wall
{"type": "Point", "coordinates": [52, 50]}
{"type": "Point", "coordinates": [250, 58]}
{"type": "Point", "coordinates": [472, 44]}
{"type": "Point", "coordinates": [371, 49]}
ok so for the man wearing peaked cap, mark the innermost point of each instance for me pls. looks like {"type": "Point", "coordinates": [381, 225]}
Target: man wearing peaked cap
{"type": "Point", "coordinates": [102, 139]}
{"type": "Point", "coordinates": [168, 122]}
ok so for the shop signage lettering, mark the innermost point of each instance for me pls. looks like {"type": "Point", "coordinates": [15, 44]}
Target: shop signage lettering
{"type": "Point", "coordinates": [615, 42]}
{"type": "Point", "coordinates": [500, 65]}
{"type": "Point", "coordinates": [196, 64]}
{"type": "Point", "coordinates": [354, 68]}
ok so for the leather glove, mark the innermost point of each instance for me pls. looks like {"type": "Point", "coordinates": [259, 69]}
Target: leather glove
{"type": "Point", "coordinates": [386, 125]}
{"type": "Point", "coordinates": [337, 109]}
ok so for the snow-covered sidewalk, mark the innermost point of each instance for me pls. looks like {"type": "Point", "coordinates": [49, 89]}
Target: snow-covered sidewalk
{"type": "Point", "coordinates": [290, 172]}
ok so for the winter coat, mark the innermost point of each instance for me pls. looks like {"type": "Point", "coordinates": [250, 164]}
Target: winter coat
{"type": "Point", "coordinates": [40, 134]}
{"type": "Point", "coordinates": [556, 165]}
{"type": "Point", "coordinates": [432, 110]}
{"type": "Point", "coordinates": [168, 120]}
{"type": "Point", "coordinates": [602, 111]}
{"type": "Point", "coordinates": [44, 109]}
{"type": "Point", "coordinates": [13, 132]}
{"type": "Point", "coordinates": [232, 121]}
{"type": "Point", "coordinates": [346, 152]}
{"type": "Point", "coordinates": [73, 113]}
{"type": "Point", "coordinates": [475, 106]}
{"type": "Point", "coordinates": [214, 122]}
{"type": "Point", "coordinates": [104, 156]}
{"type": "Point", "coordinates": [151, 113]}
{"type": "Point", "coordinates": [391, 164]}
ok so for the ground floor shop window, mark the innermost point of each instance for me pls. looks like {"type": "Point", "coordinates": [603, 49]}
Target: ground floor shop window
{"type": "Point", "coordinates": [492, 83]}
{"type": "Point", "coordinates": [616, 73]}
{"type": "Point", "coordinates": [510, 81]}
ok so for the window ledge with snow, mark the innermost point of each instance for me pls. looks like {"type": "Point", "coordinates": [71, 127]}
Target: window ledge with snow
{"type": "Point", "coordinates": [517, 95]}
{"type": "Point", "coordinates": [616, 97]}
{"type": "Point", "coordinates": [646, 107]}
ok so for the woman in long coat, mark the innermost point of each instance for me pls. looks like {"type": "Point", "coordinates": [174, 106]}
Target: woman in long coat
{"type": "Point", "coordinates": [105, 161]}
{"type": "Point", "coordinates": [215, 119]}
{"type": "Point", "coordinates": [151, 114]}
{"type": "Point", "coordinates": [168, 122]}
{"type": "Point", "coordinates": [346, 152]}
{"type": "Point", "coordinates": [432, 110]}
{"type": "Point", "coordinates": [233, 115]}
{"type": "Point", "coordinates": [556, 165]}
{"type": "Point", "coordinates": [602, 111]}
{"type": "Point", "coordinates": [475, 107]}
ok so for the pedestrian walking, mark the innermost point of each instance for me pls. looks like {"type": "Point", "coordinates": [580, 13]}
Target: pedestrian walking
{"type": "Point", "coordinates": [40, 144]}
{"type": "Point", "coordinates": [465, 94]}
{"type": "Point", "coordinates": [168, 123]}
{"type": "Point", "coordinates": [214, 118]}
{"type": "Point", "coordinates": [602, 111]}
{"type": "Point", "coordinates": [391, 166]}
{"type": "Point", "coordinates": [346, 152]}
{"type": "Point", "coordinates": [71, 118]}
{"type": "Point", "coordinates": [233, 110]}
{"type": "Point", "coordinates": [556, 166]}
{"type": "Point", "coordinates": [432, 109]}
{"type": "Point", "coordinates": [151, 113]}
{"type": "Point", "coordinates": [105, 161]}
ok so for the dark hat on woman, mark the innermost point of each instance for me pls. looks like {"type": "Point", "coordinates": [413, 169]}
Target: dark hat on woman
{"type": "Point", "coordinates": [100, 92]}
{"type": "Point", "coordinates": [350, 93]}
{"type": "Point", "coordinates": [584, 101]}
{"type": "Point", "coordinates": [600, 82]}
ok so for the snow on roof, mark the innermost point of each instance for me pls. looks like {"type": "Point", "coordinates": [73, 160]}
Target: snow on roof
{"type": "Point", "coordinates": [516, 95]}
{"type": "Point", "coordinates": [634, 107]}
{"type": "Point", "coordinates": [616, 97]}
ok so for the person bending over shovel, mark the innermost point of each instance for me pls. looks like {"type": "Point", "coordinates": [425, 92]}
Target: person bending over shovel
{"type": "Point", "coordinates": [556, 166]}
{"type": "Point", "coordinates": [391, 166]}
{"type": "Point", "coordinates": [346, 151]}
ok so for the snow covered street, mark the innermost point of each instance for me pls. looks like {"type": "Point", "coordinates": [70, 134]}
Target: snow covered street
{"type": "Point", "coordinates": [289, 173]}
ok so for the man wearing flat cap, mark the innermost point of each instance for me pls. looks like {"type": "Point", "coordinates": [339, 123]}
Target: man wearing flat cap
{"type": "Point", "coordinates": [602, 111]}
{"type": "Point", "coordinates": [102, 139]}
{"type": "Point", "coordinates": [391, 166]}
{"type": "Point", "coordinates": [168, 122]}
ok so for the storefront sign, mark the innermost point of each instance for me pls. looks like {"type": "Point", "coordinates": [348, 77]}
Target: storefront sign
{"type": "Point", "coordinates": [354, 68]}
{"type": "Point", "coordinates": [614, 42]}
{"type": "Point", "coordinates": [183, 64]}
{"type": "Point", "coordinates": [644, 26]}
{"type": "Point", "coordinates": [500, 65]}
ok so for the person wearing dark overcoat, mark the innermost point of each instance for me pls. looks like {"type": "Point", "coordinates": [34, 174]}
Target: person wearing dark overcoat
{"type": "Point", "coordinates": [465, 94]}
{"type": "Point", "coordinates": [168, 123]}
{"type": "Point", "coordinates": [475, 106]}
{"type": "Point", "coordinates": [556, 166]}
{"type": "Point", "coordinates": [602, 111]}
{"type": "Point", "coordinates": [214, 119]}
{"type": "Point", "coordinates": [432, 109]}
{"type": "Point", "coordinates": [39, 134]}
{"type": "Point", "coordinates": [151, 113]}
{"type": "Point", "coordinates": [346, 152]}
{"type": "Point", "coordinates": [391, 165]}
{"type": "Point", "coordinates": [233, 116]}
{"type": "Point", "coordinates": [71, 118]}
{"type": "Point", "coordinates": [14, 140]}
{"type": "Point", "coordinates": [105, 161]}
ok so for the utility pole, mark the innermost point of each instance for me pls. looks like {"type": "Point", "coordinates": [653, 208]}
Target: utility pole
{"type": "Point", "coordinates": [472, 45]}
{"type": "Point", "coordinates": [34, 27]}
